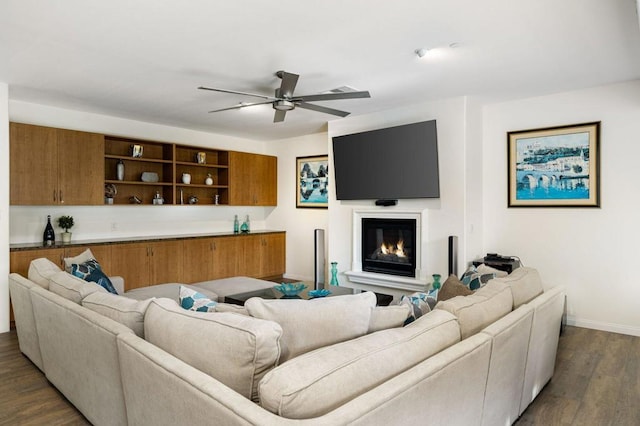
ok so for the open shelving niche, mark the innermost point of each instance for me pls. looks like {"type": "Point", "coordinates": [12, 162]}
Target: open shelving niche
{"type": "Point", "coordinates": [169, 161]}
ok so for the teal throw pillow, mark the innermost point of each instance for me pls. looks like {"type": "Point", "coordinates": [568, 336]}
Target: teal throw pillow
{"type": "Point", "coordinates": [194, 301]}
{"type": "Point", "coordinates": [92, 272]}
{"type": "Point", "coordinates": [420, 304]}
{"type": "Point", "coordinates": [474, 278]}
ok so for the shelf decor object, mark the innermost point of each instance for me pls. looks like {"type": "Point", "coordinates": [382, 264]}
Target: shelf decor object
{"type": "Point", "coordinates": [66, 223]}
{"type": "Point", "coordinates": [555, 166]}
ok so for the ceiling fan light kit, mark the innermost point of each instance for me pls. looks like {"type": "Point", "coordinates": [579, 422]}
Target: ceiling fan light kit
{"type": "Point", "coordinates": [284, 100]}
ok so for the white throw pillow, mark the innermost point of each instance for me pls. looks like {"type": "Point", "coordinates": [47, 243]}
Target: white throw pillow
{"type": "Point", "coordinates": [40, 270]}
{"type": "Point", "coordinates": [383, 317]}
{"type": "Point", "coordinates": [79, 259]}
{"type": "Point", "coordinates": [129, 312]}
{"type": "Point", "coordinates": [311, 324]}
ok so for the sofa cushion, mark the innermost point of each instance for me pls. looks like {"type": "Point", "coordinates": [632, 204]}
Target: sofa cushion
{"type": "Point", "coordinates": [81, 258]}
{"type": "Point", "coordinates": [310, 324]}
{"type": "Point", "coordinates": [480, 309]}
{"type": "Point", "coordinates": [126, 311]}
{"type": "Point", "coordinates": [383, 317]}
{"type": "Point", "coordinates": [525, 285]}
{"type": "Point", "coordinates": [167, 291]}
{"type": "Point", "coordinates": [40, 270]}
{"type": "Point", "coordinates": [73, 288]}
{"type": "Point", "coordinates": [319, 381]}
{"type": "Point", "coordinates": [451, 288]}
{"type": "Point", "coordinates": [91, 271]}
{"type": "Point", "coordinates": [235, 349]}
{"type": "Point", "coordinates": [196, 301]}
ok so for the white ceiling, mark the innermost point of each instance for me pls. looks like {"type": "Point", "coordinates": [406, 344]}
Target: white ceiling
{"type": "Point", "coordinates": [143, 59]}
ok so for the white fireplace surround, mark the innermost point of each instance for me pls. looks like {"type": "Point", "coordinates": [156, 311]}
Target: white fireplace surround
{"type": "Point", "coordinates": [386, 283]}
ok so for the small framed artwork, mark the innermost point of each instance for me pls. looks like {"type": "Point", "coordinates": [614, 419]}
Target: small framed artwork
{"type": "Point", "coordinates": [555, 166]}
{"type": "Point", "coordinates": [312, 177]}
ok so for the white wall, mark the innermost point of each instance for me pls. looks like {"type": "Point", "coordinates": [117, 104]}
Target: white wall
{"type": "Point", "coordinates": [445, 216]}
{"type": "Point", "coordinates": [4, 207]}
{"type": "Point", "coordinates": [299, 222]}
{"type": "Point", "coordinates": [96, 222]}
{"type": "Point", "coordinates": [593, 252]}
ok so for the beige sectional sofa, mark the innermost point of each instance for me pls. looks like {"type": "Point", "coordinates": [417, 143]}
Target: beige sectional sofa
{"type": "Point", "coordinates": [479, 359]}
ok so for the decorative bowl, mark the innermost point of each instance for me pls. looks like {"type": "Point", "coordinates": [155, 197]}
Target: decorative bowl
{"type": "Point", "coordinates": [290, 289]}
{"type": "Point", "coordinates": [322, 292]}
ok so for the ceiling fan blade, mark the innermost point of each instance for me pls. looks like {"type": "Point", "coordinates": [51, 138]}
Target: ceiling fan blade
{"type": "Point", "coordinates": [288, 84]}
{"type": "Point", "coordinates": [332, 96]}
{"type": "Point", "coordinates": [235, 92]}
{"type": "Point", "coordinates": [241, 106]}
{"type": "Point", "coordinates": [319, 108]}
{"type": "Point", "coordinates": [279, 116]}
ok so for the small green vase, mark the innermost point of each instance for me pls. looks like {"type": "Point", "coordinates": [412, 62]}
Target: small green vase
{"type": "Point", "coordinates": [334, 274]}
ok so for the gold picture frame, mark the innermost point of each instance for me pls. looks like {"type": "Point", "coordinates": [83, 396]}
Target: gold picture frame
{"type": "Point", "coordinates": [555, 166]}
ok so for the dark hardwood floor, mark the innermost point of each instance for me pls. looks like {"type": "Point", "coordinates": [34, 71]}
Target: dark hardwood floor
{"type": "Point", "coordinates": [597, 382]}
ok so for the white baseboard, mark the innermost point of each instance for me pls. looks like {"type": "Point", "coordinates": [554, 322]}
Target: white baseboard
{"type": "Point", "coordinates": [604, 326]}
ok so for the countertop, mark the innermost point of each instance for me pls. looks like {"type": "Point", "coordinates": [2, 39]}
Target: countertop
{"type": "Point", "coordinates": [76, 243]}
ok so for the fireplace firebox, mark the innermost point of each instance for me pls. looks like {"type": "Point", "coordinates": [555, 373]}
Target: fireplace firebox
{"type": "Point", "coordinates": [388, 246]}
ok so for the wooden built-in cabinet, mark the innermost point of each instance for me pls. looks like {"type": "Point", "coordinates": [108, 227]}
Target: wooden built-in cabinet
{"type": "Point", "coordinates": [51, 166]}
{"type": "Point", "coordinates": [176, 260]}
{"type": "Point", "coordinates": [144, 264]}
{"type": "Point", "coordinates": [253, 179]}
{"type": "Point", "coordinates": [156, 158]}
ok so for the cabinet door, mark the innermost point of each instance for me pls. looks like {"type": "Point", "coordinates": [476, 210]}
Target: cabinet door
{"type": "Point", "coordinates": [19, 261]}
{"type": "Point", "coordinates": [251, 255]}
{"type": "Point", "coordinates": [265, 182]}
{"type": "Point", "coordinates": [227, 256]}
{"type": "Point", "coordinates": [33, 165]}
{"type": "Point", "coordinates": [131, 261]}
{"type": "Point", "coordinates": [252, 179]}
{"type": "Point", "coordinates": [273, 255]}
{"type": "Point", "coordinates": [197, 260]}
{"type": "Point", "coordinates": [166, 262]}
{"type": "Point", "coordinates": [80, 168]}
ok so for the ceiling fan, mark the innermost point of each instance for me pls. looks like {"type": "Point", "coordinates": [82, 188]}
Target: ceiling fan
{"type": "Point", "coordinates": [284, 99]}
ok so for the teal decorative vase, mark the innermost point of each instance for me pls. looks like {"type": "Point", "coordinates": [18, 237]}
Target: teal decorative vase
{"type": "Point", "coordinates": [334, 274]}
{"type": "Point", "coordinates": [436, 282]}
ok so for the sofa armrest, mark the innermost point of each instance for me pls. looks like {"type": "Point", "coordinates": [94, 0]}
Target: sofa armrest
{"type": "Point", "coordinates": [118, 284]}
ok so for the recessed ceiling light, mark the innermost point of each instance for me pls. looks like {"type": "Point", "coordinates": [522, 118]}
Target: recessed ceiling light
{"type": "Point", "coordinates": [421, 52]}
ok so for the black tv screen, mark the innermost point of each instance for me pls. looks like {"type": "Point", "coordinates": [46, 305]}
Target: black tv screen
{"type": "Point", "coordinates": [391, 163]}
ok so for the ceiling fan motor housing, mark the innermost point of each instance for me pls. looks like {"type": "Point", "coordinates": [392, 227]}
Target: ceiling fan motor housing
{"type": "Point", "coordinates": [283, 105]}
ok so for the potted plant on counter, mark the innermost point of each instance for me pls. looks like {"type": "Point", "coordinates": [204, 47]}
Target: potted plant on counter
{"type": "Point", "coordinates": [66, 223]}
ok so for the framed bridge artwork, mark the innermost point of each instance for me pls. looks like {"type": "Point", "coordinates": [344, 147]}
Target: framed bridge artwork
{"type": "Point", "coordinates": [312, 177]}
{"type": "Point", "coordinates": [555, 166]}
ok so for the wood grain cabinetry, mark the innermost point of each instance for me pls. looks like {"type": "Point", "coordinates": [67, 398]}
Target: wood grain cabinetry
{"type": "Point", "coordinates": [212, 258]}
{"type": "Point", "coordinates": [55, 166]}
{"type": "Point", "coordinates": [186, 260]}
{"type": "Point", "coordinates": [19, 261]}
{"type": "Point", "coordinates": [144, 264]}
{"type": "Point", "coordinates": [51, 166]}
{"type": "Point", "coordinates": [252, 179]}
{"type": "Point", "coordinates": [200, 163]}
{"type": "Point", "coordinates": [156, 158]}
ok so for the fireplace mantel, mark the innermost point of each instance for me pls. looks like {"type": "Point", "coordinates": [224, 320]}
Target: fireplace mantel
{"type": "Point", "coordinates": [392, 284]}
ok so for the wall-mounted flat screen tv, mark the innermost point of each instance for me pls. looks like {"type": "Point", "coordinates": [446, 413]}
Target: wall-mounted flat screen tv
{"type": "Point", "coordinates": [391, 163]}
